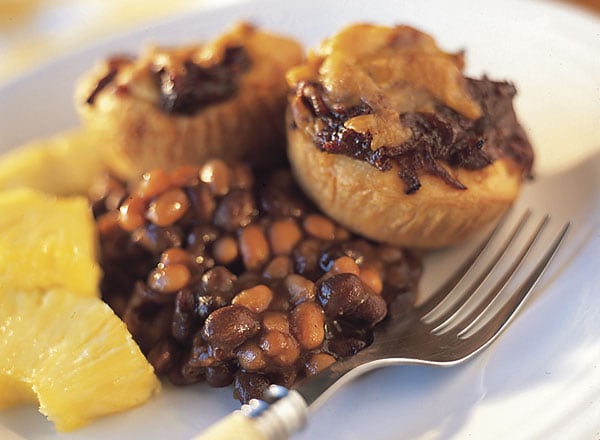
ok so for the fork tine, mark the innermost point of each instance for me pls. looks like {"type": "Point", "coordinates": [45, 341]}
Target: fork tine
{"type": "Point", "coordinates": [494, 326]}
{"type": "Point", "coordinates": [458, 305]}
{"type": "Point", "coordinates": [474, 316]}
{"type": "Point", "coordinates": [442, 292]}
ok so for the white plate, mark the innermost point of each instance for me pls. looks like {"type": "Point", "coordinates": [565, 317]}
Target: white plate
{"type": "Point", "coordinates": [541, 379]}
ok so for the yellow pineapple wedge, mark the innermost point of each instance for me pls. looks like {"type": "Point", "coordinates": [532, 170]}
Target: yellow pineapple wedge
{"type": "Point", "coordinates": [65, 164]}
{"type": "Point", "coordinates": [73, 354]}
{"type": "Point", "coordinates": [47, 242]}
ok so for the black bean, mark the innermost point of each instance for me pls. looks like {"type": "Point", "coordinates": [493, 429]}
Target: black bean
{"type": "Point", "coordinates": [228, 327]}
{"type": "Point", "coordinates": [306, 258]}
{"type": "Point", "coordinates": [184, 315]}
{"type": "Point", "coordinates": [341, 294]}
{"type": "Point", "coordinates": [249, 386]}
{"type": "Point", "coordinates": [164, 356]}
{"type": "Point", "coordinates": [344, 338]}
{"type": "Point", "coordinates": [196, 334]}
{"type": "Point", "coordinates": [206, 304]}
{"type": "Point", "coordinates": [220, 375]}
{"type": "Point", "coordinates": [157, 239]}
{"type": "Point", "coordinates": [202, 203]}
{"type": "Point", "coordinates": [192, 373]}
{"type": "Point", "coordinates": [372, 310]}
{"type": "Point", "coordinates": [201, 236]}
{"type": "Point", "coordinates": [236, 210]}
{"type": "Point", "coordinates": [218, 281]}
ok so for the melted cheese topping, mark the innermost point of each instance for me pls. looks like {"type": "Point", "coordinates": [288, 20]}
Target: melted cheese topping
{"type": "Point", "coordinates": [269, 54]}
{"type": "Point", "coordinates": [393, 70]}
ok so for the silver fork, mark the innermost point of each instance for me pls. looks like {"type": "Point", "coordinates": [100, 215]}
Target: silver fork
{"type": "Point", "coordinates": [450, 327]}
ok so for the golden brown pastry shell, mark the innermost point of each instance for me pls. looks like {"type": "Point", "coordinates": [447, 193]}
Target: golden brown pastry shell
{"type": "Point", "coordinates": [136, 136]}
{"type": "Point", "coordinates": [373, 203]}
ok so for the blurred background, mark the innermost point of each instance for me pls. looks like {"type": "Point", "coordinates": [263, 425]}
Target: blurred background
{"type": "Point", "coordinates": [34, 31]}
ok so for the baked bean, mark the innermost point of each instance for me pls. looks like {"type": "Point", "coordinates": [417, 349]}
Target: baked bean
{"type": "Point", "coordinates": [168, 207]}
{"type": "Point", "coordinates": [216, 174]}
{"type": "Point", "coordinates": [201, 236]}
{"type": "Point", "coordinates": [131, 213]}
{"type": "Point", "coordinates": [169, 279]}
{"type": "Point", "coordinates": [256, 298]}
{"type": "Point", "coordinates": [318, 362]}
{"type": "Point", "coordinates": [184, 316]}
{"type": "Point", "coordinates": [372, 310]}
{"type": "Point", "coordinates": [299, 289]}
{"type": "Point", "coordinates": [142, 293]}
{"type": "Point", "coordinates": [249, 385]}
{"type": "Point", "coordinates": [248, 279]}
{"type": "Point", "coordinates": [218, 282]}
{"type": "Point", "coordinates": [225, 250]}
{"type": "Point", "coordinates": [283, 236]}
{"type": "Point", "coordinates": [152, 184]}
{"type": "Point", "coordinates": [345, 339]}
{"type": "Point", "coordinates": [273, 288]}
{"type": "Point", "coordinates": [200, 354]}
{"type": "Point", "coordinates": [371, 278]}
{"type": "Point", "coordinates": [184, 375]}
{"type": "Point", "coordinates": [306, 256]}
{"type": "Point", "coordinates": [202, 202]}
{"type": "Point", "coordinates": [219, 376]}
{"type": "Point", "coordinates": [206, 304]}
{"type": "Point", "coordinates": [230, 326]}
{"type": "Point", "coordinates": [236, 210]}
{"type": "Point", "coordinates": [163, 356]}
{"type": "Point", "coordinates": [285, 377]}
{"type": "Point", "coordinates": [108, 223]}
{"type": "Point", "coordinates": [241, 176]}
{"type": "Point", "coordinates": [147, 323]}
{"type": "Point", "coordinates": [281, 347]}
{"type": "Point", "coordinates": [391, 254]}
{"type": "Point", "coordinates": [344, 265]}
{"type": "Point", "coordinates": [278, 268]}
{"type": "Point", "coordinates": [276, 201]}
{"type": "Point", "coordinates": [157, 239]}
{"type": "Point", "coordinates": [175, 255]}
{"type": "Point", "coordinates": [307, 325]}
{"type": "Point", "coordinates": [341, 294]}
{"type": "Point", "coordinates": [276, 321]}
{"type": "Point", "coordinates": [251, 357]}
{"type": "Point", "coordinates": [319, 226]}
{"type": "Point", "coordinates": [342, 234]}
{"type": "Point", "coordinates": [398, 275]}
{"type": "Point", "coordinates": [254, 247]}
{"type": "Point", "coordinates": [185, 175]}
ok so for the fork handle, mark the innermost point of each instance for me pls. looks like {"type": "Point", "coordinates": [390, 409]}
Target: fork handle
{"type": "Point", "coordinates": [261, 421]}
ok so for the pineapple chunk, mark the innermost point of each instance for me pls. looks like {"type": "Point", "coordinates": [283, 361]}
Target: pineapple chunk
{"type": "Point", "coordinates": [75, 355]}
{"type": "Point", "coordinates": [47, 242]}
{"type": "Point", "coordinates": [65, 164]}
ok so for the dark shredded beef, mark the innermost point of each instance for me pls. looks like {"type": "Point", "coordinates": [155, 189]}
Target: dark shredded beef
{"type": "Point", "coordinates": [442, 136]}
{"type": "Point", "coordinates": [188, 90]}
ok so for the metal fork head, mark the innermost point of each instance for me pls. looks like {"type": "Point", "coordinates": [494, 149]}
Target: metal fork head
{"type": "Point", "coordinates": [448, 328]}
{"type": "Point", "coordinates": [458, 321]}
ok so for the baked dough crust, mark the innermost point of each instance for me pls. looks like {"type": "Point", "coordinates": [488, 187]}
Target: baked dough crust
{"type": "Point", "coordinates": [136, 135]}
{"type": "Point", "coordinates": [373, 203]}
{"type": "Point", "coordinates": [351, 105]}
